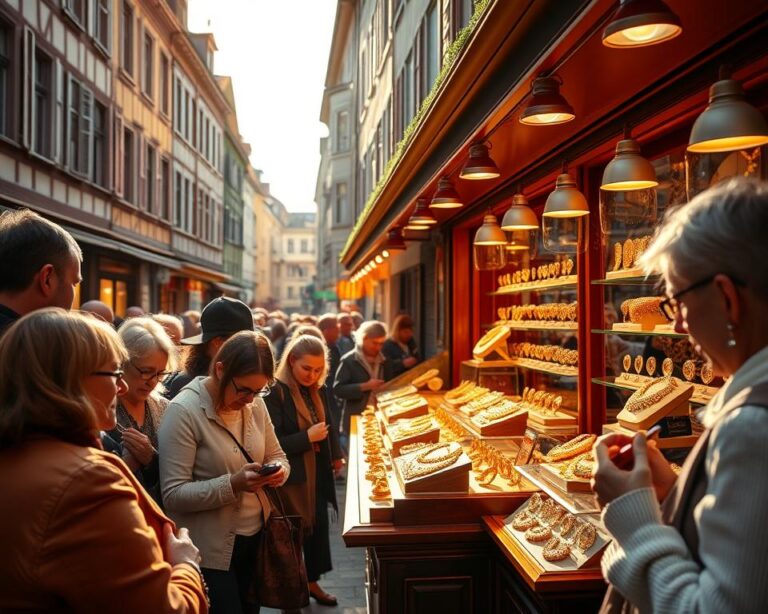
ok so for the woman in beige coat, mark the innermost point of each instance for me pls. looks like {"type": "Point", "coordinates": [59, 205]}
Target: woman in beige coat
{"type": "Point", "coordinates": [207, 482]}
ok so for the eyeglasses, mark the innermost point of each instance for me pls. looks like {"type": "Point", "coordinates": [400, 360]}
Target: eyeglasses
{"type": "Point", "coordinates": [148, 375]}
{"type": "Point", "coordinates": [243, 391]}
{"type": "Point", "coordinates": [118, 375]}
{"type": "Point", "coordinates": [671, 305]}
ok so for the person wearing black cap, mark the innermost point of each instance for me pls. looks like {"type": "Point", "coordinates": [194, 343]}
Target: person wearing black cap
{"type": "Point", "coordinates": [221, 318]}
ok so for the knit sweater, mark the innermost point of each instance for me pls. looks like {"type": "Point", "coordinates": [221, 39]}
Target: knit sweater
{"type": "Point", "coordinates": [650, 564]}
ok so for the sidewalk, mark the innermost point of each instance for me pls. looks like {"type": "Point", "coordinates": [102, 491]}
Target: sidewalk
{"type": "Point", "coordinates": [346, 581]}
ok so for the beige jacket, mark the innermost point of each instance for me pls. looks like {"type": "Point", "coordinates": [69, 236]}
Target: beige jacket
{"type": "Point", "coordinates": [197, 458]}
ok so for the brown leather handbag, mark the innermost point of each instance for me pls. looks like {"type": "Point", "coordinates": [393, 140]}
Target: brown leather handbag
{"type": "Point", "coordinates": [281, 577]}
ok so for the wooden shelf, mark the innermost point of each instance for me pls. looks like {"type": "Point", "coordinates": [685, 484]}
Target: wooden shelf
{"type": "Point", "coordinates": [610, 382]}
{"type": "Point", "coordinates": [559, 283]}
{"type": "Point", "coordinates": [544, 367]}
{"type": "Point", "coordinates": [630, 280]}
{"type": "Point", "coordinates": [642, 333]}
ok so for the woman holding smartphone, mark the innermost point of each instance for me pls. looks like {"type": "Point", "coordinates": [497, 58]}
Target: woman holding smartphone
{"type": "Point", "coordinates": [306, 432]}
{"type": "Point", "coordinates": [212, 431]}
{"type": "Point", "coordinates": [697, 542]}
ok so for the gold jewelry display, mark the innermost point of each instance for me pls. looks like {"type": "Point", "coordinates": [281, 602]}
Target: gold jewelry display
{"type": "Point", "coordinates": [689, 370]}
{"type": "Point", "coordinates": [707, 373]}
{"type": "Point", "coordinates": [534, 504]}
{"type": "Point", "coordinates": [628, 256]}
{"type": "Point", "coordinates": [617, 256]}
{"type": "Point", "coordinates": [380, 490]}
{"type": "Point", "coordinates": [568, 266]}
{"type": "Point", "coordinates": [566, 524]}
{"type": "Point", "coordinates": [459, 390]}
{"type": "Point", "coordinates": [627, 362]}
{"type": "Point", "coordinates": [413, 427]}
{"type": "Point", "coordinates": [556, 550]}
{"type": "Point", "coordinates": [585, 537]}
{"type": "Point", "coordinates": [574, 447]}
{"type": "Point", "coordinates": [650, 365]}
{"type": "Point", "coordinates": [524, 520]}
{"type": "Point", "coordinates": [497, 412]}
{"type": "Point", "coordinates": [538, 533]}
{"type": "Point", "coordinates": [425, 463]}
{"type": "Point", "coordinates": [638, 364]}
{"type": "Point", "coordinates": [667, 367]}
{"type": "Point", "coordinates": [650, 393]}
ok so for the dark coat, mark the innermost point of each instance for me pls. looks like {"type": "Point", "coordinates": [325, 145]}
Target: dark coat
{"type": "Point", "coordinates": [346, 386]}
{"type": "Point", "coordinates": [7, 317]}
{"type": "Point", "coordinates": [295, 442]}
{"type": "Point", "coordinates": [395, 355]}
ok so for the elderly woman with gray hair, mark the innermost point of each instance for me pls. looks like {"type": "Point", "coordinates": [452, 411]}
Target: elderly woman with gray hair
{"type": "Point", "coordinates": [361, 372]}
{"type": "Point", "coordinates": [151, 356]}
{"type": "Point", "coordinates": [697, 542]}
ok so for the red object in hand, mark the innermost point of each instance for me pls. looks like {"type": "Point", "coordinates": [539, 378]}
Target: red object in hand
{"type": "Point", "coordinates": [625, 458]}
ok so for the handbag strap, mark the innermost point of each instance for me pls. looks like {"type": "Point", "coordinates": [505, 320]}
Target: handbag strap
{"type": "Point", "coordinates": [233, 438]}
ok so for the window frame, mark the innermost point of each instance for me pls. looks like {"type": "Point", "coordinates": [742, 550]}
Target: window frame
{"type": "Point", "coordinates": [127, 57]}
{"type": "Point", "coordinates": [81, 21]}
{"type": "Point", "coordinates": [148, 65]}
{"type": "Point", "coordinates": [105, 46]}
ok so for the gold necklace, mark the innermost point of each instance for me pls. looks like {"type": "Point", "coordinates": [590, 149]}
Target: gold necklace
{"type": "Point", "coordinates": [641, 399]}
{"type": "Point", "coordinates": [422, 464]}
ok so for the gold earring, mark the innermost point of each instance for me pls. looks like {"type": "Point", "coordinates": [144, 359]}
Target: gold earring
{"type": "Point", "coordinates": [731, 343]}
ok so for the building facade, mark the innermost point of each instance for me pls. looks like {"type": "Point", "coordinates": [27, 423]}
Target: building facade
{"type": "Point", "coordinates": [298, 263]}
{"type": "Point", "coordinates": [112, 124]}
{"type": "Point", "coordinates": [334, 194]}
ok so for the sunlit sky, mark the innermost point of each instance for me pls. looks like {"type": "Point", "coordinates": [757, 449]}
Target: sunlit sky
{"type": "Point", "coordinates": [276, 51]}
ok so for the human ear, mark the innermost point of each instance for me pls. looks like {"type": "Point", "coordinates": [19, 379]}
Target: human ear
{"type": "Point", "coordinates": [45, 279]}
{"type": "Point", "coordinates": [731, 299]}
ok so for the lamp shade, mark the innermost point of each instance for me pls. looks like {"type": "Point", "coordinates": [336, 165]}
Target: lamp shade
{"type": "Point", "coordinates": [566, 200]}
{"type": "Point", "coordinates": [490, 233]}
{"type": "Point", "coordinates": [729, 122]}
{"type": "Point", "coordinates": [480, 165]}
{"type": "Point", "coordinates": [394, 240]}
{"type": "Point", "coordinates": [547, 105]}
{"type": "Point", "coordinates": [421, 215]}
{"type": "Point", "coordinates": [446, 196]}
{"type": "Point", "coordinates": [639, 23]}
{"type": "Point", "coordinates": [519, 216]}
{"type": "Point", "coordinates": [629, 170]}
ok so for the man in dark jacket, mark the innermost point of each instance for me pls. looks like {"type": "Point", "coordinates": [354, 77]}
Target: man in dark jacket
{"type": "Point", "coordinates": [329, 326]}
{"type": "Point", "coordinates": [39, 265]}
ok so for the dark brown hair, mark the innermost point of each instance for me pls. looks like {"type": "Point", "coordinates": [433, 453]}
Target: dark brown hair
{"type": "Point", "coordinates": [27, 243]}
{"type": "Point", "coordinates": [244, 353]}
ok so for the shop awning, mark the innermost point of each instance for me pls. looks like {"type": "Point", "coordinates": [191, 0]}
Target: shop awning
{"type": "Point", "coordinates": [125, 248]}
{"type": "Point", "coordinates": [230, 288]}
{"type": "Point", "coordinates": [200, 272]}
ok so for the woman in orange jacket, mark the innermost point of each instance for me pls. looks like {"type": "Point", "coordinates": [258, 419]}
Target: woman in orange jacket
{"type": "Point", "coordinates": [79, 533]}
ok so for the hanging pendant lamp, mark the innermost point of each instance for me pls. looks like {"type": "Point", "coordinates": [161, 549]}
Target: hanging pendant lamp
{"type": "Point", "coordinates": [628, 170]}
{"type": "Point", "coordinates": [566, 200]}
{"type": "Point", "coordinates": [394, 240]}
{"type": "Point", "coordinates": [729, 122]}
{"type": "Point", "coordinates": [480, 165]}
{"type": "Point", "coordinates": [639, 23]}
{"type": "Point", "coordinates": [490, 233]}
{"type": "Point", "coordinates": [489, 245]}
{"type": "Point", "coordinates": [547, 106]}
{"type": "Point", "coordinates": [421, 215]}
{"type": "Point", "coordinates": [519, 216]}
{"type": "Point", "coordinates": [446, 196]}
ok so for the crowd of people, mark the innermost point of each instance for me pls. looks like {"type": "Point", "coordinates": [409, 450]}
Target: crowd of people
{"type": "Point", "coordinates": [139, 455]}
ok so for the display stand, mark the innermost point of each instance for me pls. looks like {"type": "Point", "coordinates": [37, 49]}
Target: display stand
{"type": "Point", "coordinates": [432, 435]}
{"type": "Point", "coordinates": [395, 411]}
{"type": "Point", "coordinates": [397, 393]}
{"type": "Point", "coordinates": [495, 340]}
{"type": "Point", "coordinates": [675, 403]}
{"type": "Point", "coordinates": [451, 479]}
{"type": "Point", "coordinates": [509, 426]}
{"type": "Point", "coordinates": [569, 485]}
{"type": "Point", "coordinates": [663, 442]}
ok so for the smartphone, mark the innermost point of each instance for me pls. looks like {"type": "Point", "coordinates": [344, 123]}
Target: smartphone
{"type": "Point", "coordinates": [625, 458]}
{"type": "Point", "coordinates": [268, 469]}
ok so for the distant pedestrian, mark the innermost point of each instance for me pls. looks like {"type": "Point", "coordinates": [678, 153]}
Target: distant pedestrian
{"type": "Point", "coordinates": [346, 342]}
{"type": "Point", "coordinates": [39, 265]}
{"type": "Point", "coordinates": [361, 372]}
{"type": "Point", "coordinates": [100, 310]}
{"type": "Point", "coordinates": [357, 319]}
{"type": "Point", "coordinates": [329, 327]}
{"type": "Point", "coordinates": [400, 349]}
{"type": "Point", "coordinates": [172, 326]}
{"type": "Point", "coordinates": [134, 312]}
{"type": "Point", "coordinates": [221, 318]}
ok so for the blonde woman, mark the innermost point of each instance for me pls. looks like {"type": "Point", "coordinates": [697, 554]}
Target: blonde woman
{"type": "Point", "coordinates": [79, 533]}
{"type": "Point", "coordinates": [151, 357]}
{"type": "Point", "coordinates": [305, 430]}
{"type": "Point", "coordinates": [215, 438]}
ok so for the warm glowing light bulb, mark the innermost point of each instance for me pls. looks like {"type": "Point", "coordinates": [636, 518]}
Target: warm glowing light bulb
{"type": "Point", "coordinates": [379, 259]}
{"type": "Point", "coordinates": [385, 253]}
{"type": "Point", "coordinates": [641, 34]}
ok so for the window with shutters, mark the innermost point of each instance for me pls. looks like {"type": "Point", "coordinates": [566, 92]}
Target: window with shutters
{"type": "Point", "coordinates": [409, 94]}
{"type": "Point", "coordinates": [178, 217]}
{"type": "Point", "coordinates": [342, 131]}
{"type": "Point", "coordinates": [80, 128]}
{"type": "Point", "coordinates": [290, 246]}
{"type": "Point", "coordinates": [164, 189]}
{"type": "Point", "coordinates": [43, 104]}
{"type": "Point", "coordinates": [126, 38]}
{"type": "Point", "coordinates": [148, 65]}
{"type": "Point", "coordinates": [6, 45]}
{"type": "Point", "coordinates": [432, 48]}
{"type": "Point", "coordinates": [339, 210]}
{"type": "Point", "coordinates": [150, 182]}
{"type": "Point", "coordinates": [165, 93]}
{"type": "Point", "coordinates": [75, 9]}
{"type": "Point", "coordinates": [100, 157]}
{"type": "Point", "coordinates": [129, 165]}
{"type": "Point", "coordinates": [189, 214]}
{"type": "Point", "coordinates": [304, 246]}
{"type": "Point", "coordinates": [102, 24]}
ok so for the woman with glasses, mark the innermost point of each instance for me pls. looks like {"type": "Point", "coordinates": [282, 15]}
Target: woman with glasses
{"type": "Point", "coordinates": [151, 354]}
{"type": "Point", "coordinates": [306, 432]}
{"type": "Point", "coordinates": [215, 438]}
{"type": "Point", "coordinates": [697, 542]}
{"type": "Point", "coordinates": [79, 533]}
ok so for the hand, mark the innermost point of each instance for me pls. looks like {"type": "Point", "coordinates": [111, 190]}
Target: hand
{"type": "Point", "coordinates": [371, 384]}
{"type": "Point", "coordinates": [609, 482]}
{"type": "Point", "coordinates": [132, 463]}
{"type": "Point", "coordinates": [317, 432]}
{"type": "Point", "coordinates": [180, 549]}
{"type": "Point", "coordinates": [338, 466]}
{"type": "Point", "coordinates": [244, 477]}
{"type": "Point", "coordinates": [661, 471]}
{"type": "Point", "coordinates": [410, 361]}
{"type": "Point", "coordinates": [274, 480]}
{"type": "Point", "coordinates": [139, 445]}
